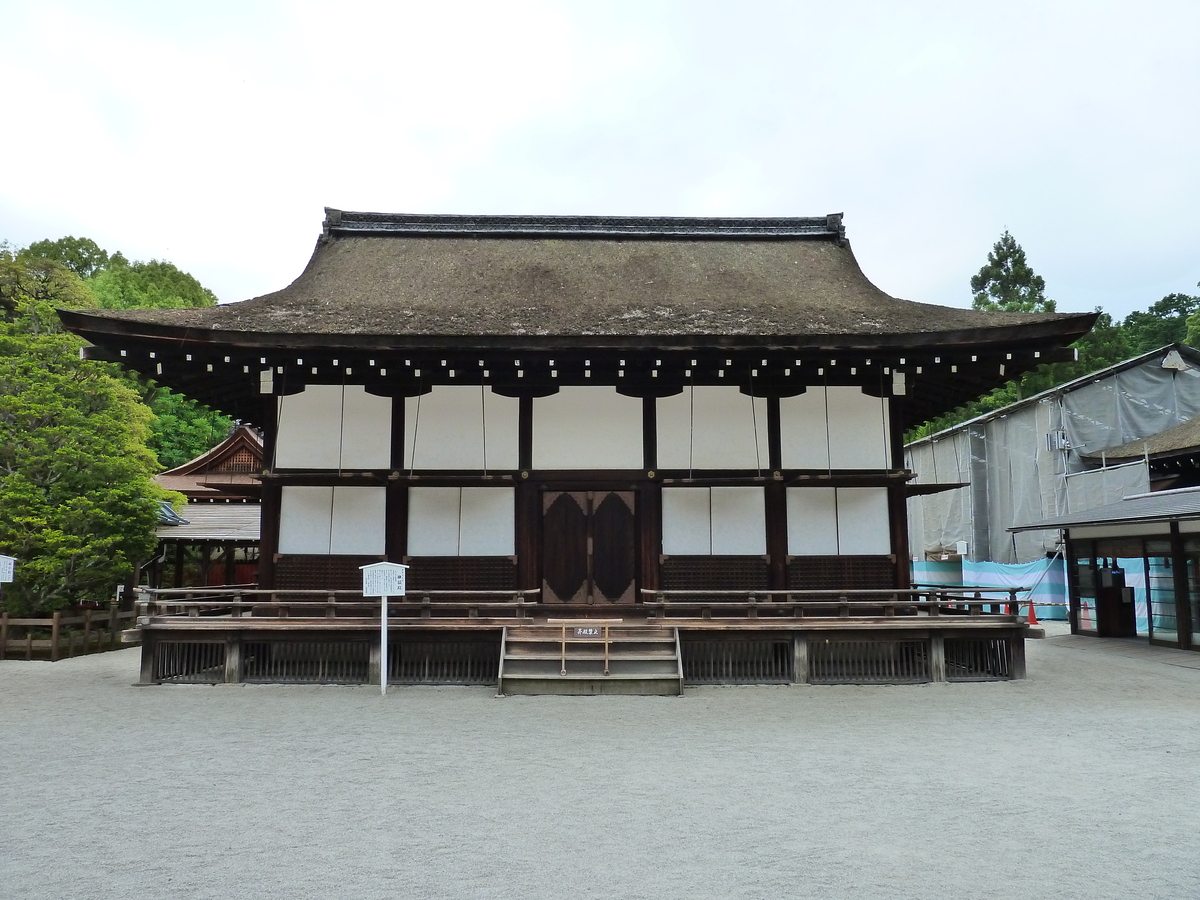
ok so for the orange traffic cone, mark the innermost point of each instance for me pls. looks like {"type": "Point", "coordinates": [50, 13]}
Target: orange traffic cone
{"type": "Point", "coordinates": [1033, 620]}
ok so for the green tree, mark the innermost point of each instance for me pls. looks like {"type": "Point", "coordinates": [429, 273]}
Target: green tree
{"type": "Point", "coordinates": [79, 506]}
{"type": "Point", "coordinates": [1007, 283]}
{"type": "Point", "coordinates": [81, 255]}
{"type": "Point", "coordinates": [156, 284]}
{"type": "Point", "coordinates": [182, 429]}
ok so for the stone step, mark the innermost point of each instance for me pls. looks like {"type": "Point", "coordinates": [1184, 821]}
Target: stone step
{"type": "Point", "coordinates": [589, 685]}
{"type": "Point", "coordinates": [551, 666]}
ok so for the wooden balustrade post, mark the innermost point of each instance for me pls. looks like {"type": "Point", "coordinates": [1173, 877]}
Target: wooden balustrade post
{"type": "Point", "coordinates": [937, 656]}
{"type": "Point", "coordinates": [28, 644]}
{"type": "Point", "coordinates": [87, 629]}
{"type": "Point", "coordinates": [55, 626]}
{"type": "Point", "coordinates": [3, 634]}
{"type": "Point", "coordinates": [233, 660]}
{"type": "Point", "coordinates": [113, 624]}
{"type": "Point", "coordinates": [800, 658]}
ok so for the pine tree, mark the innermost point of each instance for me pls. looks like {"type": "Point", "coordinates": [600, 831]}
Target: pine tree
{"type": "Point", "coordinates": [1007, 284]}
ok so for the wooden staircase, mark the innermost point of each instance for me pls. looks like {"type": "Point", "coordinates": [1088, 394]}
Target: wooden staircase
{"type": "Point", "coordinates": [590, 656]}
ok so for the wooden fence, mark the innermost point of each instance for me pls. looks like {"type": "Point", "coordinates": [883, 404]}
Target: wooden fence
{"type": "Point", "coordinates": [85, 632]}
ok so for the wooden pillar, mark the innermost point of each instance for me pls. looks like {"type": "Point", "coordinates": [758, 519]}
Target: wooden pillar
{"type": "Point", "coordinates": [528, 534]}
{"type": "Point", "coordinates": [233, 659]}
{"type": "Point", "coordinates": [375, 661]}
{"type": "Point", "coordinates": [147, 670]}
{"type": "Point", "coordinates": [937, 656]}
{"type": "Point", "coordinates": [800, 657]}
{"type": "Point", "coordinates": [898, 516]}
{"type": "Point", "coordinates": [1018, 654]}
{"type": "Point", "coordinates": [55, 633]}
{"type": "Point", "coordinates": [650, 534]}
{"type": "Point", "coordinates": [777, 537]}
{"type": "Point", "coordinates": [649, 434]}
{"type": "Point", "coordinates": [268, 544]}
{"type": "Point", "coordinates": [272, 494]}
{"type": "Point", "coordinates": [396, 521]}
{"type": "Point", "coordinates": [528, 503]}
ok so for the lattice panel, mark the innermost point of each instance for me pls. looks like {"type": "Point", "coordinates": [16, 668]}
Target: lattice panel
{"type": "Point", "coordinates": [978, 659]}
{"type": "Point", "coordinates": [462, 573]}
{"type": "Point", "coordinates": [837, 573]}
{"type": "Point", "coordinates": [736, 661]}
{"type": "Point", "coordinates": [433, 661]}
{"type": "Point", "coordinates": [306, 662]}
{"type": "Point", "coordinates": [714, 573]}
{"type": "Point", "coordinates": [867, 662]}
{"type": "Point", "coordinates": [301, 572]}
{"type": "Point", "coordinates": [239, 461]}
{"type": "Point", "coordinates": [189, 662]}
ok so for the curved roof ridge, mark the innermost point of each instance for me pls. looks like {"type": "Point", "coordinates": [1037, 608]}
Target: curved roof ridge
{"type": "Point", "coordinates": [830, 226]}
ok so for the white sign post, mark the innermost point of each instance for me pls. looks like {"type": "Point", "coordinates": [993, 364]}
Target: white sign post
{"type": "Point", "coordinates": [383, 580]}
{"type": "Point", "coordinates": [7, 563]}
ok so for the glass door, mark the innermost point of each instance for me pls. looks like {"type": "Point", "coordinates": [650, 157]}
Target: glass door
{"type": "Point", "coordinates": [1160, 584]}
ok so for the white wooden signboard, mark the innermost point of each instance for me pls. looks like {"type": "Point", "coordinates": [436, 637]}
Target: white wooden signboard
{"type": "Point", "coordinates": [383, 580]}
{"type": "Point", "coordinates": [7, 563]}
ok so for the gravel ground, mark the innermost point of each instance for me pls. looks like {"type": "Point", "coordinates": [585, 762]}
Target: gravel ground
{"type": "Point", "coordinates": [1082, 781]}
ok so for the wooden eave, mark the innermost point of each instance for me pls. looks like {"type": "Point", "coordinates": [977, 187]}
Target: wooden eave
{"type": "Point", "coordinates": [942, 370]}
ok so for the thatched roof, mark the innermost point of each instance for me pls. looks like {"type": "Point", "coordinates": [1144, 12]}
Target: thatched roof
{"type": "Point", "coordinates": [377, 274]}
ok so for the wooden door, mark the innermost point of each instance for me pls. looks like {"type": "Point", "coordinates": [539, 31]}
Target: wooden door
{"type": "Point", "coordinates": [589, 547]}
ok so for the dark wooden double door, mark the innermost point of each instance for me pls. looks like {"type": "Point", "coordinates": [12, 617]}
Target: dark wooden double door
{"type": "Point", "coordinates": [589, 547]}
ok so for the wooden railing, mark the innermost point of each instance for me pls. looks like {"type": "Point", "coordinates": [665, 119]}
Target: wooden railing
{"type": "Point", "coordinates": [90, 630]}
{"type": "Point", "coordinates": [584, 631]}
{"type": "Point", "coordinates": [315, 604]}
{"type": "Point", "coordinates": [801, 604]}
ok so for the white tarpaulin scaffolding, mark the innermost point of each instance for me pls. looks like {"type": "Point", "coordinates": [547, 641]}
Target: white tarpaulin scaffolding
{"type": "Point", "coordinates": [1016, 461]}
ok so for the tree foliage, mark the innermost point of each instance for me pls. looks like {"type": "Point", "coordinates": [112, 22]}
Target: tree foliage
{"type": "Point", "coordinates": [78, 503]}
{"type": "Point", "coordinates": [81, 255]}
{"type": "Point", "coordinates": [1007, 283]}
{"type": "Point", "coordinates": [148, 285]}
{"type": "Point", "coordinates": [182, 429]}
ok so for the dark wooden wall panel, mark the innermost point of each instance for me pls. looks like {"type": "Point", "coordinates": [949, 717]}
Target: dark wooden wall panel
{"type": "Point", "coordinates": [835, 573]}
{"type": "Point", "coordinates": [715, 573]}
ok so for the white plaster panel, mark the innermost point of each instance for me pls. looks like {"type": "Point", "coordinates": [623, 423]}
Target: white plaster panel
{"type": "Point", "coordinates": [331, 426]}
{"type": "Point", "coordinates": [487, 522]}
{"type": "Point", "coordinates": [804, 437]}
{"type": "Point", "coordinates": [309, 429]}
{"type": "Point", "coordinates": [812, 521]}
{"type": "Point", "coordinates": [858, 429]}
{"type": "Point", "coordinates": [587, 428]}
{"type": "Point", "coordinates": [863, 527]}
{"type": "Point", "coordinates": [712, 428]}
{"type": "Point", "coordinates": [359, 521]}
{"type": "Point", "coordinates": [739, 521]}
{"type": "Point", "coordinates": [327, 520]}
{"type": "Point", "coordinates": [446, 429]}
{"type": "Point", "coordinates": [366, 430]}
{"type": "Point", "coordinates": [304, 519]}
{"type": "Point", "coordinates": [433, 517]}
{"type": "Point", "coordinates": [685, 521]}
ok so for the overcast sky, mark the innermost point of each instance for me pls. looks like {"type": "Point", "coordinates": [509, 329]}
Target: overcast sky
{"type": "Point", "coordinates": [213, 134]}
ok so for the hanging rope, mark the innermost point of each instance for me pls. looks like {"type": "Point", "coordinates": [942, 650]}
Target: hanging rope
{"type": "Point", "coordinates": [754, 421]}
{"type": "Point", "coordinates": [341, 444]}
{"type": "Point", "coordinates": [412, 456]}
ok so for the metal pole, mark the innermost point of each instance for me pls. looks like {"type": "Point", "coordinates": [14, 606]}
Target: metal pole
{"type": "Point", "coordinates": [383, 660]}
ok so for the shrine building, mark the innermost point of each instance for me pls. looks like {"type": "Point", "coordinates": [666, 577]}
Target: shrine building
{"type": "Point", "coordinates": [688, 425]}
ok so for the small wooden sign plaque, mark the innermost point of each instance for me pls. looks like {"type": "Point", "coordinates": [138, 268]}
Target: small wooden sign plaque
{"type": "Point", "coordinates": [591, 631]}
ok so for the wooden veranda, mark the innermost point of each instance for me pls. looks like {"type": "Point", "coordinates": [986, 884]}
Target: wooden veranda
{"type": "Point", "coordinates": [516, 641]}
